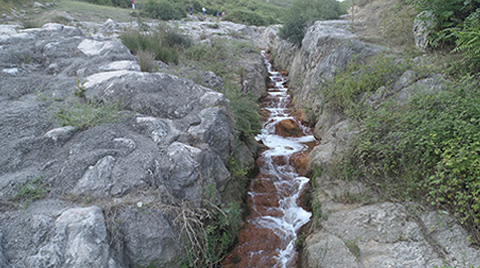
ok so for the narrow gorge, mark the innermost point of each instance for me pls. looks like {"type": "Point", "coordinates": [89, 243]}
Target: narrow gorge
{"type": "Point", "coordinates": [106, 165]}
{"type": "Point", "coordinates": [275, 218]}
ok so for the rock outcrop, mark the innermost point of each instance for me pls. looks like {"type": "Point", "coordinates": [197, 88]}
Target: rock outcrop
{"type": "Point", "coordinates": [351, 233]}
{"type": "Point", "coordinates": [101, 195]}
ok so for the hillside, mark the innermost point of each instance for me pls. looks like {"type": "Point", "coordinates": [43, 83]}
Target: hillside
{"type": "Point", "coordinates": [141, 131]}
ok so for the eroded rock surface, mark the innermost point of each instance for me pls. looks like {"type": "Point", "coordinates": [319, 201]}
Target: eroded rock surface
{"type": "Point", "coordinates": [104, 190]}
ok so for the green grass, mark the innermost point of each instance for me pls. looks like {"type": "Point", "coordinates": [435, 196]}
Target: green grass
{"type": "Point", "coordinates": [352, 245]}
{"type": "Point", "coordinates": [30, 191]}
{"type": "Point", "coordinates": [84, 114]}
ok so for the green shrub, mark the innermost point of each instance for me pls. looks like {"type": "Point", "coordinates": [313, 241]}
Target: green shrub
{"type": "Point", "coordinates": [303, 13]}
{"type": "Point", "coordinates": [431, 147]}
{"type": "Point", "coordinates": [146, 60]}
{"type": "Point", "coordinates": [246, 17]}
{"type": "Point", "coordinates": [343, 91]}
{"type": "Point", "coordinates": [162, 45]}
{"type": "Point", "coordinates": [162, 10]}
{"type": "Point", "coordinates": [245, 112]}
{"type": "Point", "coordinates": [455, 24]}
{"type": "Point", "coordinates": [468, 41]}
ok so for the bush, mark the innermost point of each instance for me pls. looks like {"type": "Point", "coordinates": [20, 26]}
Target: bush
{"type": "Point", "coordinates": [456, 25]}
{"type": "Point", "coordinates": [245, 113]}
{"type": "Point", "coordinates": [246, 17]}
{"type": "Point", "coordinates": [343, 91]}
{"type": "Point", "coordinates": [429, 147]}
{"type": "Point", "coordinates": [162, 10]}
{"type": "Point", "coordinates": [303, 13]}
{"type": "Point", "coordinates": [165, 45]}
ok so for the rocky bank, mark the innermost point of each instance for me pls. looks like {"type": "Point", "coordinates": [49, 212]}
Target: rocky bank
{"type": "Point", "coordinates": [109, 194]}
{"type": "Point", "coordinates": [351, 234]}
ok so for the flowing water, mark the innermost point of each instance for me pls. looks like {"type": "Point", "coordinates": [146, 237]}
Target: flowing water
{"type": "Point", "coordinates": [268, 238]}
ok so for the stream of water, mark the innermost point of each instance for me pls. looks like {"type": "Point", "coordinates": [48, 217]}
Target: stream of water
{"type": "Point", "coordinates": [268, 238]}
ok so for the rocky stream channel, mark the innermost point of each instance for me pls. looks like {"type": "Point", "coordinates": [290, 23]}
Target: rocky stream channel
{"type": "Point", "coordinates": [110, 195]}
{"type": "Point", "coordinates": [276, 216]}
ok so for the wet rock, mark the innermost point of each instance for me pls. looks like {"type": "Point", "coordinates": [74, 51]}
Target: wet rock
{"type": "Point", "coordinates": [288, 128]}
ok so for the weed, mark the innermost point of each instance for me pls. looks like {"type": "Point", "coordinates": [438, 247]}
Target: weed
{"type": "Point", "coordinates": [352, 245]}
{"type": "Point", "coordinates": [80, 89]}
{"type": "Point", "coordinates": [31, 191]}
{"type": "Point", "coordinates": [146, 60]}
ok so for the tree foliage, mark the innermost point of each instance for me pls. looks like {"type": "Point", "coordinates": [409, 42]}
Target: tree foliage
{"type": "Point", "coordinates": [303, 13]}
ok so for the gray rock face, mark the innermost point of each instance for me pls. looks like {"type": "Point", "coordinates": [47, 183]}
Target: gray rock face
{"type": "Point", "coordinates": [79, 239]}
{"type": "Point", "coordinates": [172, 143]}
{"type": "Point", "coordinates": [385, 235]}
{"type": "Point", "coordinates": [421, 29]}
{"type": "Point", "coordinates": [149, 238]}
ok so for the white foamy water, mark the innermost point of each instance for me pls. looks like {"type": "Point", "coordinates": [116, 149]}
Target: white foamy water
{"type": "Point", "coordinates": [288, 183]}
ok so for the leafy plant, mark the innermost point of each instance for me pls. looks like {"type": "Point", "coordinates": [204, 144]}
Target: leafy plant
{"type": "Point", "coordinates": [343, 91]}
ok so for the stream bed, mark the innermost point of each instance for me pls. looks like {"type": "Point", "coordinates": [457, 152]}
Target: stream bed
{"type": "Point", "coordinates": [269, 235]}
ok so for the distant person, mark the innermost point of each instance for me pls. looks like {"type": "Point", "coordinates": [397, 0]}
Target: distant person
{"type": "Point", "coordinates": [191, 11]}
{"type": "Point", "coordinates": [204, 10]}
{"type": "Point", "coordinates": [218, 16]}
{"type": "Point", "coordinates": [133, 4]}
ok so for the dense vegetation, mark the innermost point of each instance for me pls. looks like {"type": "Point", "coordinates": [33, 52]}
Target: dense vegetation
{"type": "Point", "coordinates": [251, 12]}
{"type": "Point", "coordinates": [425, 147]}
{"type": "Point", "coordinates": [302, 13]}
{"type": "Point", "coordinates": [456, 25]}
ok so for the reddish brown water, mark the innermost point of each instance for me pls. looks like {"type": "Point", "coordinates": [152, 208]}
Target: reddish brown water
{"type": "Point", "coordinates": [268, 237]}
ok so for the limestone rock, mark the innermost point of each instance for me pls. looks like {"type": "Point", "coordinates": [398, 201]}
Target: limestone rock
{"type": "Point", "coordinates": [79, 239]}
{"type": "Point", "coordinates": [422, 28]}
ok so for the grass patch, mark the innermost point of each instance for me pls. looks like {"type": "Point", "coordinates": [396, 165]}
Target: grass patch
{"type": "Point", "coordinates": [146, 60]}
{"type": "Point", "coordinates": [342, 93]}
{"type": "Point", "coordinates": [84, 115]}
{"type": "Point", "coordinates": [352, 245]}
{"type": "Point", "coordinates": [30, 191]}
{"type": "Point", "coordinates": [165, 44]}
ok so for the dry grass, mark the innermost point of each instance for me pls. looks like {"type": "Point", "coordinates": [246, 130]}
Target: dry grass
{"type": "Point", "coordinates": [146, 60]}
